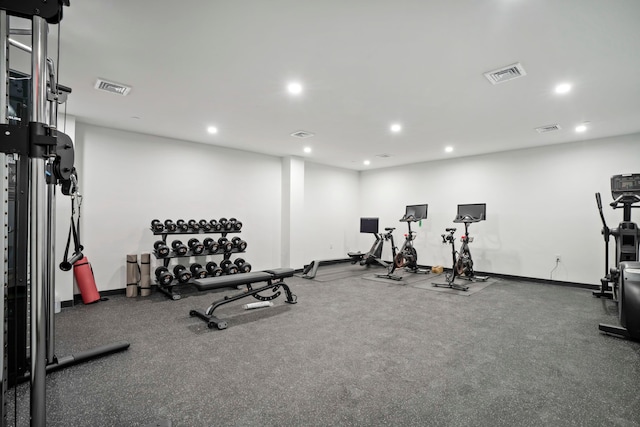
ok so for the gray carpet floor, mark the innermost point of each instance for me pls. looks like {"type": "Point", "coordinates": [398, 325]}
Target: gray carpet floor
{"type": "Point", "coordinates": [352, 352]}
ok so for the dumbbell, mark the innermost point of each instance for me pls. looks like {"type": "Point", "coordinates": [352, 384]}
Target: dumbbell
{"type": "Point", "coordinates": [235, 224]}
{"type": "Point", "coordinates": [239, 244]}
{"type": "Point", "coordinates": [182, 226]}
{"type": "Point", "coordinates": [215, 225]}
{"type": "Point", "coordinates": [179, 248]}
{"type": "Point", "coordinates": [210, 245]}
{"type": "Point", "coordinates": [225, 224]}
{"type": "Point", "coordinates": [181, 273]}
{"type": "Point", "coordinates": [156, 225]}
{"type": "Point", "coordinates": [193, 225]}
{"type": "Point", "coordinates": [225, 244]}
{"type": "Point", "coordinates": [196, 247]}
{"type": "Point", "coordinates": [243, 266]}
{"type": "Point", "coordinates": [204, 224]}
{"type": "Point", "coordinates": [162, 250]}
{"type": "Point", "coordinates": [228, 226]}
{"type": "Point", "coordinates": [228, 267]}
{"type": "Point", "coordinates": [164, 277]}
{"type": "Point", "coordinates": [197, 271]}
{"type": "Point", "coordinates": [213, 269]}
{"type": "Point", "coordinates": [170, 225]}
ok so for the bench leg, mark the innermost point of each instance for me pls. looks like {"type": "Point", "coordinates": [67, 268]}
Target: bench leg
{"type": "Point", "coordinates": [212, 321]}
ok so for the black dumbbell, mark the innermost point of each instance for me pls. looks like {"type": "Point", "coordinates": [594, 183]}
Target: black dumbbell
{"type": "Point", "coordinates": [215, 225]}
{"type": "Point", "coordinates": [204, 224]}
{"type": "Point", "coordinates": [210, 245]}
{"type": "Point", "coordinates": [228, 267]}
{"type": "Point", "coordinates": [163, 276]}
{"type": "Point", "coordinates": [197, 271]}
{"type": "Point", "coordinates": [196, 247]}
{"type": "Point", "coordinates": [162, 250]}
{"type": "Point", "coordinates": [237, 226]}
{"type": "Point", "coordinates": [170, 225]}
{"type": "Point", "coordinates": [213, 269]}
{"type": "Point", "coordinates": [182, 226]}
{"type": "Point", "coordinates": [223, 223]}
{"type": "Point", "coordinates": [181, 273]}
{"type": "Point", "coordinates": [156, 225]}
{"type": "Point", "coordinates": [239, 244]}
{"type": "Point", "coordinates": [243, 266]}
{"type": "Point", "coordinates": [193, 225]}
{"type": "Point", "coordinates": [179, 248]}
{"type": "Point", "coordinates": [225, 244]}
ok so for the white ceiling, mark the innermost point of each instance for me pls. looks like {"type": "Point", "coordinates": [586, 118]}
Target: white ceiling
{"type": "Point", "coordinates": [364, 64]}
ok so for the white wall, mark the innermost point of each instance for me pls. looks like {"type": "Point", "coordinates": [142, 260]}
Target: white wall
{"type": "Point", "coordinates": [330, 212]}
{"type": "Point", "coordinates": [128, 179]}
{"type": "Point", "coordinates": [540, 202]}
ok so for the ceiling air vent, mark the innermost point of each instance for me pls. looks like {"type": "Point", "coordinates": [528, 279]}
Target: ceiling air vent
{"type": "Point", "coordinates": [548, 128]}
{"type": "Point", "coordinates": [383, 156]}
{"type": "Point", "coordinates": [112, 87]}
{"type": "Point", "coordinates": [505, 74]}
{"type": "Point", "coordinates": [302, 134]}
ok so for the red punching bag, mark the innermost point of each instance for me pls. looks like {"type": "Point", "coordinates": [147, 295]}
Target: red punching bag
{"type": "Point", "coordinates": [86, 282]}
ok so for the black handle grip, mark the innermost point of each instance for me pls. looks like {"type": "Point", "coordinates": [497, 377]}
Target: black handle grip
{"type": "Point", "coordinates": [68, 264]}
{"type": "Point", "coordinates": [598, 200]}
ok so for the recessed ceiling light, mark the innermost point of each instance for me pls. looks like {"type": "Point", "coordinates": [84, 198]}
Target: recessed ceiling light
{"type": "Point", "coordinates": [212, 130]}
{"type": "Point", "coordinates": [563, 88]}
{"type": "Point", "coordinates": [307, 149]}
{"type": "Point", "coordinates": [581, 128]}
{"type": "Point", "coordinates": [448, 149]}
{"type": "Point", "coordinates": [396, 127]}
{"type": "Point", "coordinates": [366, 162]}
{"type": "Point", "coordinates": [294, 88]}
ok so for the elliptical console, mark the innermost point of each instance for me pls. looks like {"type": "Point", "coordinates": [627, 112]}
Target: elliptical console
{"type": "Point", "coordinates": [622, 282]}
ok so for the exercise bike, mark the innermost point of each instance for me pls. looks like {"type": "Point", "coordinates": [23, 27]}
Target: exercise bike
{"type": "Point", "coordinates": [622, 283]}
{"type": "Point", "coordinates": [407, 256]}
{"type": "Point", "coordinates": [462, 262]}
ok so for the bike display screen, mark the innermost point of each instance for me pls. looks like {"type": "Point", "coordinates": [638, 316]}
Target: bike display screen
{"type": "Point", "coordinates": [369, 225]}
{"type": "Point", "coordinates": [477, 211]}
{"type": "Point", "coordinates": [418, 212]}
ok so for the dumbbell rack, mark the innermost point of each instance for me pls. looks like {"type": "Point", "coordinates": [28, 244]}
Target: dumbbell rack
{"type": "Point", "coordinates": [170, 290]}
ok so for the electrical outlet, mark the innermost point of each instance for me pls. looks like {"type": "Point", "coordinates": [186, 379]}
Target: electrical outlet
{"type": "Point", "coordinates": [557, 258]}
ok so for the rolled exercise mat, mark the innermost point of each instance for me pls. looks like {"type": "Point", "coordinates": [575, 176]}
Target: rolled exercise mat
{"type": "Point", "coordinates": [145, 275]}
{"type": "Point", "coordinates": [83, 273]}
{"type": "Point", "coordinates": [133, 275]}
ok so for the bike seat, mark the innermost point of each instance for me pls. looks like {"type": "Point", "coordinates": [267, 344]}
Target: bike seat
{"type": "Point", "coordinates": [389, 229]}
{"type": "Point", "coordinates": [450, 230]}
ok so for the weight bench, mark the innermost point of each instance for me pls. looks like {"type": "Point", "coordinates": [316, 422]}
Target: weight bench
{"type": "Point", "coordinates": [274, 278]}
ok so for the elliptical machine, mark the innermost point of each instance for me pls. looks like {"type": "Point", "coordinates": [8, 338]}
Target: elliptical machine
{"type": "Point", "coordinates": [622, 282]}
{"type": "Point", "coordinates": [462, 261]}
{"type": "Point", "coordinates": [407, 256]}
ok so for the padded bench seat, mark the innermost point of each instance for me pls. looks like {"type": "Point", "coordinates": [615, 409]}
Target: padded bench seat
{"type": "Point", "coordinates": [234, 280]}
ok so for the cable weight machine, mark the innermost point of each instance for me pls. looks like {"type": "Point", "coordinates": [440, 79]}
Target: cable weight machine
{"type": "Point", "coordinates": [34, 159]}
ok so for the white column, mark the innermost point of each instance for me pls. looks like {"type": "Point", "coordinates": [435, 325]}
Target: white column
{"type": "Point", "coordinates": [292, 212]}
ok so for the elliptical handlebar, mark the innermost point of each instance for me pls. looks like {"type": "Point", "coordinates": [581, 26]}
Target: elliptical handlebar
{"type": "Point", "coordinates": [624, 200]}
{"type": "Point", "coordinates": [606, 231]}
